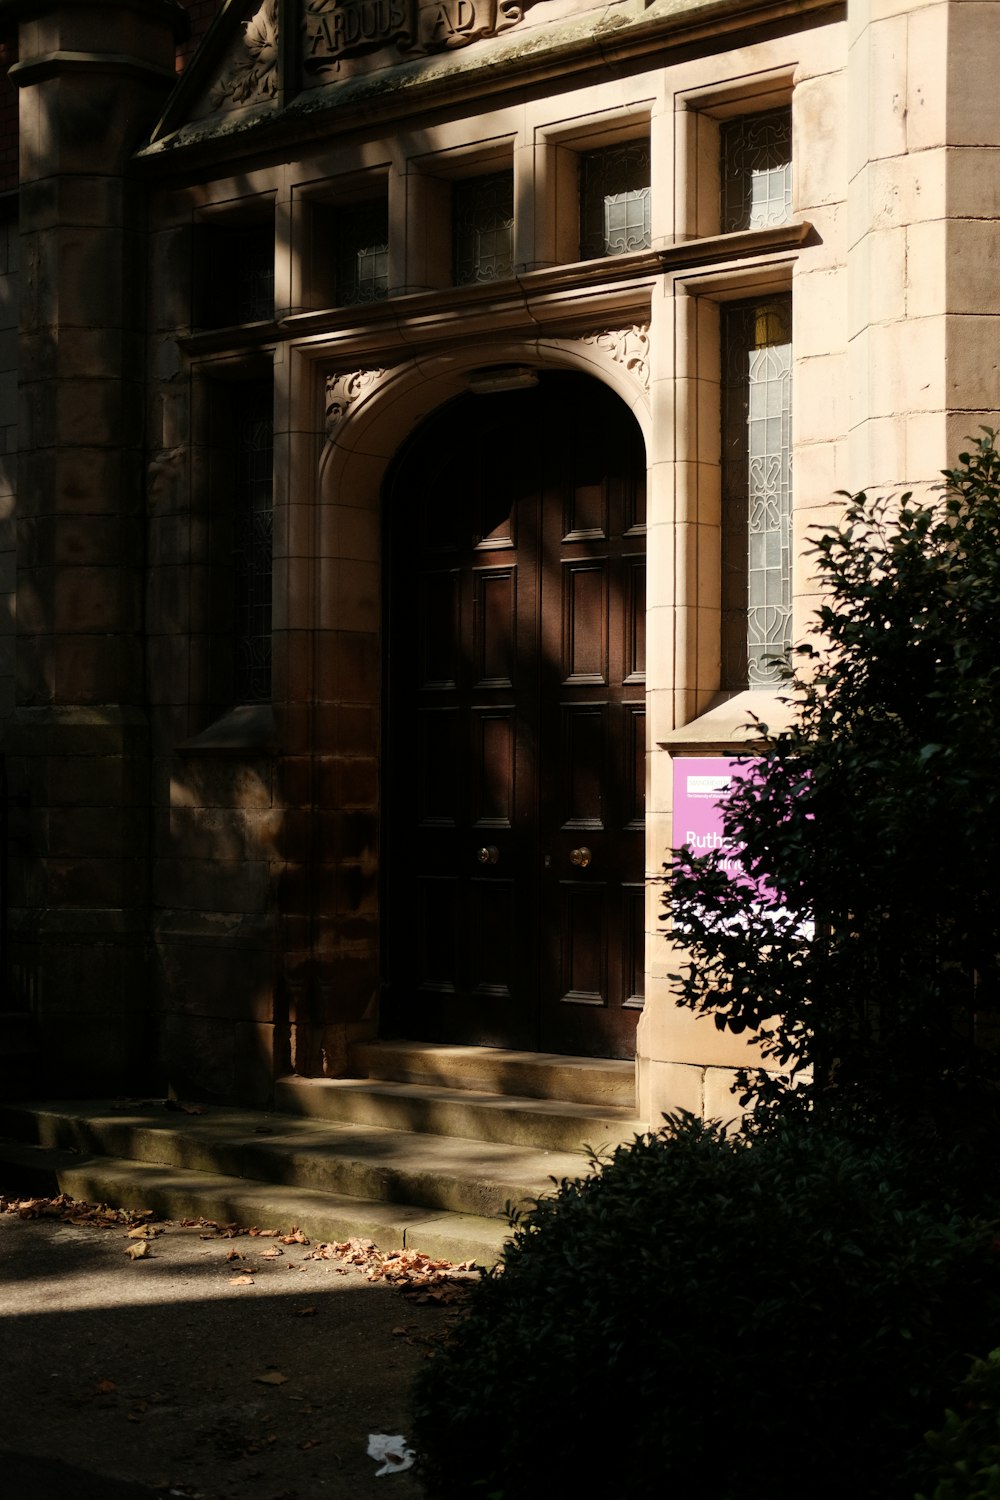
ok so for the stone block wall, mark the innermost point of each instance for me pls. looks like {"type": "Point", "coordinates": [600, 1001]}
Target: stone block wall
{"type": "Point", "coordinates": [9, 302]}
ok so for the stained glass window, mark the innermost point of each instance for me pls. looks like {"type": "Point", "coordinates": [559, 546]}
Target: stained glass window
{"type": "Point", "coordinates": [614, 200]}
{"type": "Point", "coordinates": [234, 274]}
{"type": "Point", "coordinates": [756, 170]}
{"type": "Point", "coordinates": [253, 532]}
{"type": "Point", "coordinates": [756, 490]}
{"type": "Point", "coordinates": [362, 252]}
{"type": "Point", "coordinates": [483, 228]}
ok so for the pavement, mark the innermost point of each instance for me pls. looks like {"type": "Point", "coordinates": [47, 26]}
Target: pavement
{"type": "Point", "coordinates": [142, 1360]}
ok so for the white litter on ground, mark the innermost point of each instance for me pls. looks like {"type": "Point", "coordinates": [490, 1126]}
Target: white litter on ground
{"type": "Point", "coordinates": [391, 1452]}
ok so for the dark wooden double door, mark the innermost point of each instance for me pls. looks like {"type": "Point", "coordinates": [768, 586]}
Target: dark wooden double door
{"type": "Point", "coordinates": [515, 724]}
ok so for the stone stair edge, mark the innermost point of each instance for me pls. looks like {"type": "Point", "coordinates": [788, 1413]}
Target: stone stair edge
{"type": "Point", "coordinates": [442, 1174]}
{"type": "Point", "coordinates": [486, 1099]}
{"type": "Point", "coordinates": [552, 1075]}
{"type": "Point", "coordinates": [182, 1192]}
{"type": "Point", "coordinates": [281, 1127]}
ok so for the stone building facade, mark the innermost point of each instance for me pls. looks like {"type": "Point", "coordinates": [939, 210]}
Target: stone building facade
{"type": "Point", "coordinates": [415, 413]}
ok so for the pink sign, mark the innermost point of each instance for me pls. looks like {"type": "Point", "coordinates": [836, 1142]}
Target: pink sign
{"type": "Point", "coordinates": [701, 783]}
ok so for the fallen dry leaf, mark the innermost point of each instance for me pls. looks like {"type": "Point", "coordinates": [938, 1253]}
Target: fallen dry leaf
{"type": "Point", "coordinates": [241, 1280]}
{"type": "Point", "coordinates": [271, 1377]}
{"type": "Point", "coordinates": [73, 1211]}
{"type": "Point", "coordinates": [305, 1312]}
{"type": "Point", "coordinates": [104, 1388]}
{"type": "Point", "coordinates": [233, 1255]}
{"type": "Point", "coordinates": [137, 1251]}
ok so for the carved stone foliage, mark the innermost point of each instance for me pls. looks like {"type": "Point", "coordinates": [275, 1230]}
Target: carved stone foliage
{"type": "Point", "coordinates": [342, 391]}
{"type": "Point", "coordinates": [253, 75]}
{"type": "Point", "coordinates": [339, 29]}
{"type": "Point", "coordinates": [628, 347]}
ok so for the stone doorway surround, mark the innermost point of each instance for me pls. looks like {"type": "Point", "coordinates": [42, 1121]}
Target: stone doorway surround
{"type": "Point", "coordinates": [328, 633]}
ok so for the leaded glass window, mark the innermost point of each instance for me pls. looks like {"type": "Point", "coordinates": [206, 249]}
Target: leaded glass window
{"type": "Point", "coordinates": [483, 228]}
{"type": "Point", "coordinates": [614, 200]}
{"type": "Point", "coordinates": [362, 252]}
{"type": "Point", "coordinates": [234, 274]}
{"type": "Point", "coordinates": [756, 490]}
{"type": "Point", "coordinates": [756, 170]}
{"type": "Point", "coordinates": [253, 532]}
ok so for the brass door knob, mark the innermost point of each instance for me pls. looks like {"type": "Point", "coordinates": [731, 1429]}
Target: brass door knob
{"type": "Point", "coordinates": [580, 857]}
{"type": "Point", "coordinates": [488, 855]}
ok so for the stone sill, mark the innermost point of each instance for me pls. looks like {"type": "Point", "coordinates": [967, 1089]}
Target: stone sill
{"type": "Point", "coordinates": [249, 728]}
{"type": "Point", "coordinates": [578, 296]}
{"type": "Point", "coordinates": [726, 724]}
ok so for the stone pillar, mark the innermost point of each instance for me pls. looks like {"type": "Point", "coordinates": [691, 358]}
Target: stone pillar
{"type": "Point", "coordinates": [924, 142]}
{"type": "Point", "coordinates": [91, 80]}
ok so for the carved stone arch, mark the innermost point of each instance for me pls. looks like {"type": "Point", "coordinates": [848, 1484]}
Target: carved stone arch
{"type": "Point", "coordinates": [371, 410]}
{"type": "Point", "coordinates": [617, 356]}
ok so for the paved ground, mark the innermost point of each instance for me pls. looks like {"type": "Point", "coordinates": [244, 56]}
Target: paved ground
{"type": "Point", "coordinates": [207, 1367]}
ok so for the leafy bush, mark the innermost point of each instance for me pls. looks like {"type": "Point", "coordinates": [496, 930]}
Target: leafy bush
{"type": "Point", "coordinates": [869, 965]}
{"type": "Point", "coordinates": [713, 1316]}
{"type": "Point", "coordinates": [964, 1455]}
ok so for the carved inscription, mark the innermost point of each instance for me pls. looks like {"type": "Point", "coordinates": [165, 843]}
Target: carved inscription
{"type": "Point", "coordinates": [339, 29]}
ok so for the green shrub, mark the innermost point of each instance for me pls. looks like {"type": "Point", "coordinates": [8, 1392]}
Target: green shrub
{"type": "Point", "coordinates": [718, 1317]}
{"type": "Point", "coordinates": [963, 1458]}
{"type": "Point", "coordinates": [875, 821]}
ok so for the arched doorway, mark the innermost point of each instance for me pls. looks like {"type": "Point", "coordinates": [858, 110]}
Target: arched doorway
{"type": "Point", "coordinates": [514, 745]}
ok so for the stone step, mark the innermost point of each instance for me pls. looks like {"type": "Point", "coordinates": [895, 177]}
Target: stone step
{"type": "Point", "coordinates": [495, 1070]}
{"type": "Point", "coordinates": [445, 1174]}
{"type": "Point", "coordinates": [179, 1192]}
{"type": "Point", "coordinates": [430, 1109]}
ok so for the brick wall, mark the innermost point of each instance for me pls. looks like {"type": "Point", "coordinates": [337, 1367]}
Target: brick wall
{"type": "Point", "coordinates": [201, 14]}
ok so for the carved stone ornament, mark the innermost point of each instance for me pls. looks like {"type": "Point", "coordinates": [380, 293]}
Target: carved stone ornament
{"type": "Point", "coordinates": [337, 29]}
{"type": "Point", "coordinates": [343, 390]}
{"type": "Point", "coordinates": [628, 347]}
{"type": "Point", "coordinates": [254, 74]}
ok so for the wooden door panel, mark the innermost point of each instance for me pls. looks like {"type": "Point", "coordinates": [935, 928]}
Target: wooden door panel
{"type": "Point", "coordinates": [492, 952]}
{"type": "Point", "coordinates": [584, 756]}
{"type": "Point", "coordinates": [585, 620]}
{"type": "Point", "coordinates": [493, 766]}
{"type": "Point", "coordinates": [583, 946]}
{"type": "Point", "coordinates": [438, 613]}
{"type": "Point", "coordinates": [586, 510]}
{"type": "Point", "coordinates": [633, 624]}
{"type": "Point", "coordinates": [439, 763]}
{"type": "Point", "coordinates": [633, 945]}
{"type": "Point", "coordinates": [633, 763]}
{"type": "Point", "coordinates": [495, 627]}
{"type": "Point", "coordinates": [514, 724]}
{"type": "Point", "coordinates": [436, 929]}
{"type": "Point", "coordinates": [592, 733]}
